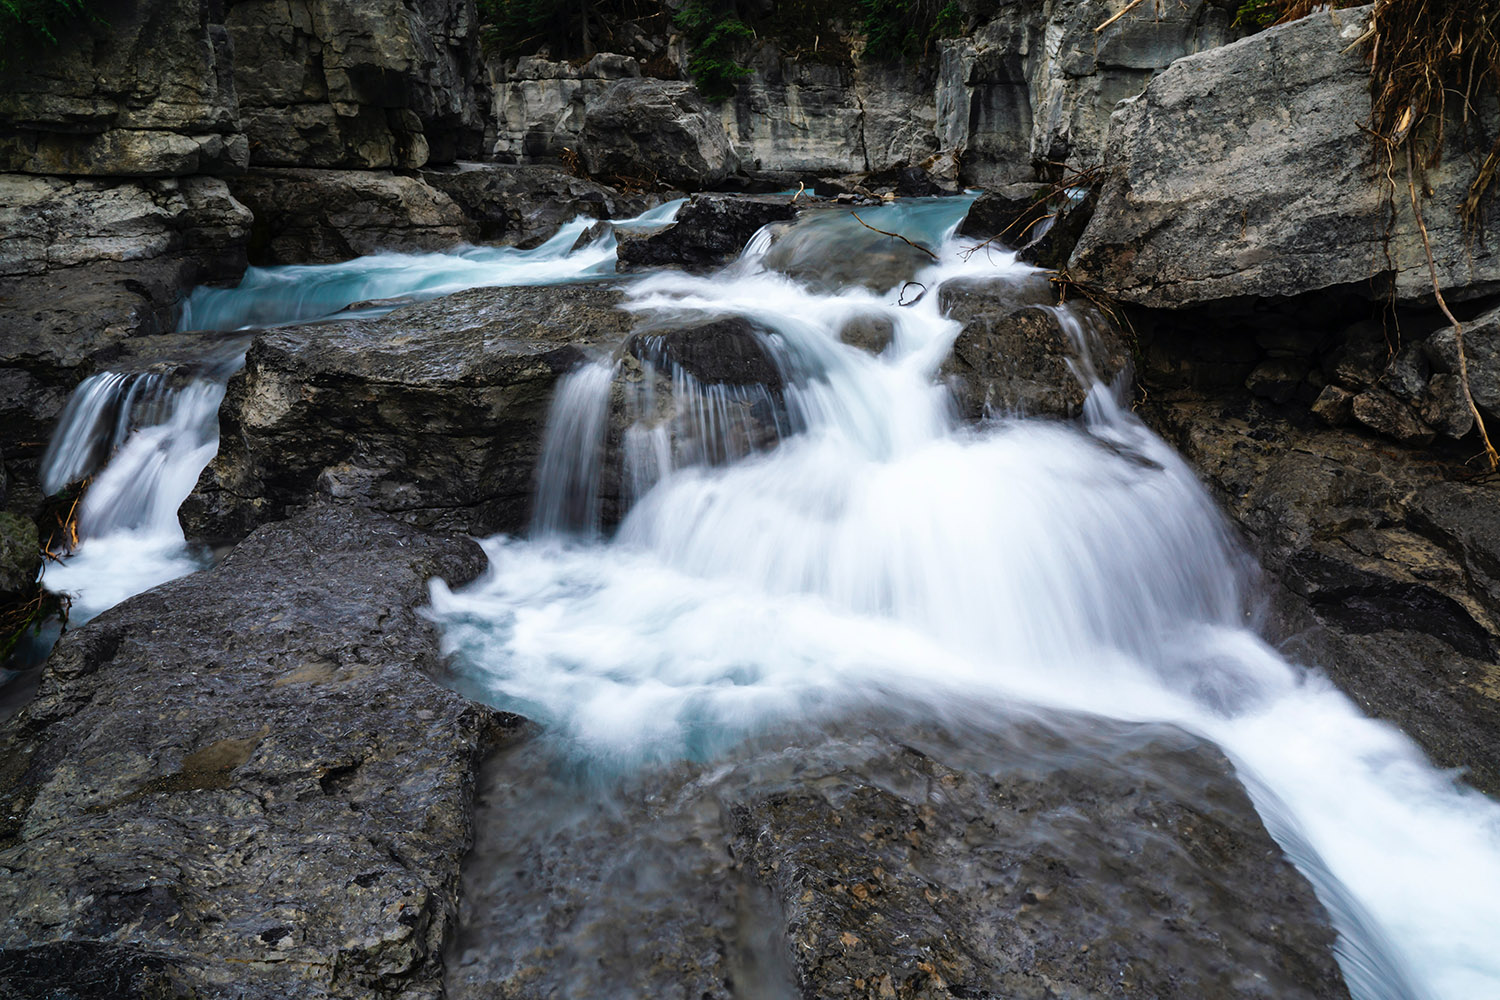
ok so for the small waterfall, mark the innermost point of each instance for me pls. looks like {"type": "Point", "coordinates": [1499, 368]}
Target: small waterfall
{"type": "Point", "coordinates": [99, 417]}
{"type": "Point", "coordinates": [567, 495]}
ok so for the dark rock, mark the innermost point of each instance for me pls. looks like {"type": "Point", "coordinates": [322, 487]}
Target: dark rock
{"type": "Point", "coordinates": [142, 90]}
{"type": "Point", "coordinates": [1334, 406]}
{"type": "Point", "coordinates": [884, 859]}
{"type": "Point", "coordinates": [1052, 248]}
{"type": "Point", "coordinates": [1382, 412]}
{"type": "Point", "coordinates": [326, 216]}
{"type": "Point", "coordinates": [433, 413]}
{"type": "Point", "coordinates": [525, 205]}
{"type": "Point", "coordinates": [301, 835]}
{"type": "Point", "coordinates": [1009, 213]}
{"type": "Point", "coordinates": [1007, 360]}
{"type": "Point", "coordinates": [375, 85]}
{"type": "Point", "coordinates": [1277, 379]}
{"type": "Point", "coordinates": [710, 231]}
{"type": "Point", "coordinates": [1221, 126]}
{"type": "Point", "coordinates": [731, 351]}
{"type": "Point", "coordinates": [1482, 354]}
{"type": "Point", "coordinates": [656, 130]}
{"type": "Point", "coordinates": [1387, 567]}
{"type": "Point", "coordinates": [830, 250]}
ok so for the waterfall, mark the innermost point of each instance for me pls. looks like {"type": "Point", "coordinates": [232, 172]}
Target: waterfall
{"type": "Point", "coordinates": [883, 557]}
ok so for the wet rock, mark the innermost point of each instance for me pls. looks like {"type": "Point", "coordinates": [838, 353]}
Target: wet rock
{"type": "Point", "coordinates": [710, 231]}
{"type": "Point", "coordinates": [20, 558]}
{"type": "Point", "coordinates": [1221, 126]}
{"type": "Point", "coordinates": [1010, 360]}
{"type": "Point", "coordinates": [376, 85]}
{"type": "Point", "coordinates": [832, 249]}
{"type": "Point", "coordinates": [525, 205]}
{"type": "Point", "coordinates": [85, 267]}
{"type": "Point", "coordinates": [1334, 406]}
{"type": "Point", "coordinates": [656, 130]}
{"type": "Point", "coordinates": [884, 859]}
{"type": "Point", "coordinates": [145, 90]}
{"type": "Point", "coordinates": [1382, 412]}
{"type": "Point", "coordinates": [871, 333]}
{"type": "Point", "coordinates": [1008, 214]}
{"type": "Point", "coordinates": [326, 216]}
{"type": "Point", "coordinates": [433, 413]}
{"type": "Point", "coordinates": [245, 781]}
{"type": "Point", "coordinates": [732, 351]}
{"type": "Point", "coordinates": [1386, 562]}
{"type": "Point", "coordinates": [1052, 247]}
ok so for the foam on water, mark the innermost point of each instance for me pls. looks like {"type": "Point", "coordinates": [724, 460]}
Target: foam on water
{"type": "Point", "coordinates": [887, 557]}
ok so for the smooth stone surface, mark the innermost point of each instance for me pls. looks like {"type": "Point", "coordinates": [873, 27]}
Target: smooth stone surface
{"type": "Point", "coordinates": [433, 413]}
{"type": "Point", "coordinates": [245, 782]}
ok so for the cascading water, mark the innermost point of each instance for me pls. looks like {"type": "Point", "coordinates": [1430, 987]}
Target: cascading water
{"type": "Point", "coordinates": [146, 436]}
{"type": "Point", "coordinates": [887, 558]}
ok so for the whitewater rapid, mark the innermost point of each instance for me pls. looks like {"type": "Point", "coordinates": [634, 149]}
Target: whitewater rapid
{"type": "Point", "coordinates": [887, 556]}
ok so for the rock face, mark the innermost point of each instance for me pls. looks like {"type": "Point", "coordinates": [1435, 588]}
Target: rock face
{"type": "Point", "coordinates": [326, 216]}
{"type": "Point", "coordinates": [147, 90]}
{"type": "Point", "coordinates": [20, 557]}
{"type": "Point", "coordinates": [1219, 128]}
{"type": "Point", "coordinates": [656, 130]}
{"type": "Point", "coordinates": [86, 265]}
{"type": "Point", "coordinates": [433, 413]}
{"type": "Point", "coordinates": [523, 205]}
{"type": "Point", "coordinates": [924, 863]}
{"type": "Point", "coordinates": [181, 88]}
{"type": "Point", "coordinates": [1019, 354]}
{"type": "Point", "coordinates": [710, 231]}
{"type": "Point", "coordinates": [303, 838]}
{"type": "Point", "coordinates": [539, 103]}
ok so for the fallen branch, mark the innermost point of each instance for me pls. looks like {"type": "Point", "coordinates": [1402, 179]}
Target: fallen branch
{"type": "Point", "coordinates": [898, 236]}
{"type": "Point", "coordinates": [1132, 5]}
{"type": "Point", "coordinates": [1458, 330]}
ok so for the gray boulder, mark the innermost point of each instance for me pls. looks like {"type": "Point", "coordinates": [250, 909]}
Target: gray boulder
{"type": "Point", "coordinates": [710, 231]}
{"type": "Point", "coordinates": [876, 858]}
{"type": "Point", "coordinates": [246, 782]}
{"type": "Point", "coordinates": [1018, 353]}
{"type": "Point", "coordinates": [1200, 203]}
{"type": "Point", "coordinates": [326, 216]}
{"type": "Point", "coordinates": [433, 413]}
{"type": "Point", "coordinates": [523, 205]}
{"type": "Point", "coordinates": [658, 131]}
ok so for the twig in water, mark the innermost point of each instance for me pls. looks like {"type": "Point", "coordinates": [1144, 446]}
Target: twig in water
{"type": "Point", "coordinates": [898, 236]}
{"type": "Point", "coordinates": [901, 298]}
{"type": "Point", "coordinates": [1458, 330]}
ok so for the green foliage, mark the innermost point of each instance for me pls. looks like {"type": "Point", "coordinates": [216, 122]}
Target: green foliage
{"type": "Point", "coordinates": [25, 23]}
{"type": "Point", "coordinates": [898, 30]}
{"type": "Point", "coordinates": [518, 27]}
{"type": "Point", "coordinates": [1258, 13]}
{"type": "Point", "coordinates": [714, 34]}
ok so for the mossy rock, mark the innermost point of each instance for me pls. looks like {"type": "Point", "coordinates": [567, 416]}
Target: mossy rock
{"type": "Point", "coordinates": [20, 556]}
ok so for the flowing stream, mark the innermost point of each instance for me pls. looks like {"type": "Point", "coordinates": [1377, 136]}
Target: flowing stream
{"type": "Point", "coordinates": [868, 551]}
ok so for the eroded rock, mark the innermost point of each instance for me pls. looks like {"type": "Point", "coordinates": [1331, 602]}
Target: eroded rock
{"type": "Point", "coordinates": [710, 231]}
{"type": "Point", "coordinates": [299, 838]}
{"type": "Point", "coordinates": [656, 130]}
{"type": "Point", "coordinates": [523, 205]}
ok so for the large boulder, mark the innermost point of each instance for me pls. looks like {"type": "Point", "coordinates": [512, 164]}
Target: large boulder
{"type": "Point", "coordinates": [433, 413]}
{"type": "Point", "coordinates": [710, 231]}
{"type": "Point", "coordinates": [657, 131]}
{"type": "Point", "coordinates": [523, 205]}
{"type": "Point", "coordinates": [1200, 204]}
{"type": "Point", "coordinates": [1018, 353]}
{"type": "Point", "coordinates": [145, 89]}
{"type": "Point", "coordinates": [246, 782]}
{"type": "Point", "coordinates": [1070, 857]}
{"type": "Point", "coordinates": [85, 266]}
{"type": "Point", "coordinates": [374, 85]}
{"type": "Point", "coordinates": [326, 216]}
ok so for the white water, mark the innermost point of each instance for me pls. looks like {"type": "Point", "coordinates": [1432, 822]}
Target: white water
{"type": "Point", "coordinates": [149, 438]}
{"type": "Point", "coordinates": [888, 557]}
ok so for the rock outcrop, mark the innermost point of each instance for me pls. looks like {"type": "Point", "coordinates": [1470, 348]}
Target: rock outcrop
{"type": "Point", "coordinates": [433, 413]}
{"type": "Point", "coordinates": [1069, 858]}
{"type": "Point", "coordinates": [326, 216]}
{"type": "Point", "coordinates": [1200, 204]}
{"type": "Point", "coordinates": [709, 232]}
{"type": "Point", "coordinates": [300, 839]}
{"type": "Point", "coordinates": [524, 205]}
{"type": "Point", "coordinates": [658, 131]}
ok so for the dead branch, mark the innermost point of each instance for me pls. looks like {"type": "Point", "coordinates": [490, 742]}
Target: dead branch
{"type": "Point", "coordinates": [898, 236]}
{"type": "Point", "coordinates": [1132, 5]}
